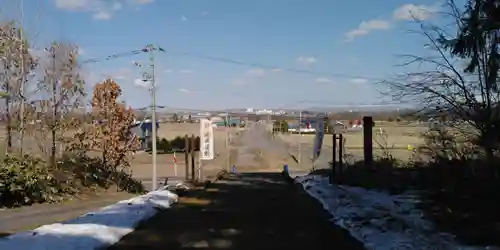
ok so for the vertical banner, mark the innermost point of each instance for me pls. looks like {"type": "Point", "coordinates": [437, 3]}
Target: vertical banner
{"type": "Point", "coordinates": [206, 140]}
{"type": "Point", "coordinates": [318, 139]}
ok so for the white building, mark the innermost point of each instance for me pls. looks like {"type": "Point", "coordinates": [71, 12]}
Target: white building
{"type": "Point", "coordinates": [281, 112]}
{"type": "Point", "coordinates": [264, 112]}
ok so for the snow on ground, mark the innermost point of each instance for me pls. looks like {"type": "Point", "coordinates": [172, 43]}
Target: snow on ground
{"type": "Point", "coordinates": [379, 220]}
{"type": "Point", "coordinates": [93, 230]}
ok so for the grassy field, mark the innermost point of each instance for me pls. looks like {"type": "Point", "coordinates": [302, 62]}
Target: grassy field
{"type": "Point", "coordinates": [387, 137]}
{"type": "Point", "coordinates": [394, 139]}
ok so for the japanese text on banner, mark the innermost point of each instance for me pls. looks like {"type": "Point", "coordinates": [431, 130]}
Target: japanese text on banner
{"type": "Point", "coordinates": [206, 140]}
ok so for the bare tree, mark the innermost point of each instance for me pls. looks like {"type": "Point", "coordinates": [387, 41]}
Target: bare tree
{"type": "Point", "coordinates": [62, 89]}
{"type": "Point", "coordinates": [175, 117]}
{"type": "Point", "coordinates": [16, 64]}
{"type": "Point", "coordinates": [460, 74]}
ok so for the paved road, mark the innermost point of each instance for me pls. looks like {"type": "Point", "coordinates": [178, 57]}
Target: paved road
{"type": "Point", "coordinates": [251, 211]}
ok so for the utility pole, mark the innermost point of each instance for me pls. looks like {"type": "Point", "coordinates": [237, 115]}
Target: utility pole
{"type": "Point", "coordinates": [150, 77]}
{"type": "Point", "coordinates": [151, 49]}
{"type": "Point", "coordinates": [227, 143]}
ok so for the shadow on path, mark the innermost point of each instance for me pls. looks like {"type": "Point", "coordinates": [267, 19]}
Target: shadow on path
{"type": "Point", "coordinates": [251, 211]}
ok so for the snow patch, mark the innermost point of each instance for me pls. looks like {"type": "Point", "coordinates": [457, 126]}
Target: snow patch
{"type": "Point", "coordinates": [379, 220]}
{"type": "Point", "coordinates": [93, 230]}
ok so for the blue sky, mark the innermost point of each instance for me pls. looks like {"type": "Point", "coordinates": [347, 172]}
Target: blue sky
{"type": "Point", "coordinates": [359, 38]}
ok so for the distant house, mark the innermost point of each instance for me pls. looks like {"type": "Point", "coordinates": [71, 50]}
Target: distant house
{"type": "Point", "coordinates": [144, 130]}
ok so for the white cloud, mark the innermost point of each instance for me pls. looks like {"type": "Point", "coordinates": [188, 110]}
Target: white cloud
{"type": "Point", "coordinates": [410, 12]}
{"type": "Point", "coordinates": [406, 12]}
{"type": "Point", "coordinates": [323, 80]}
{"type": "Point", "coordinates": [81, 52]}
{"type": "Point", "coordinates": [100, 9]}
{"type": "Point", "coordinates": [205, 13]}
{"type": "Point", "coordinates": [120, 74]}
{"type": "Point", "coordinates": [276, 70]}
{"type": "Point", "coordinates": [306, 60]}
{"type": "Point", "coordinates": [366, 26]}
{"type": "Point", "coordinates": [359, 80]}
{"type": "Point", "coordinates": [256, 72]}
{"type": "Point", "coordinates": [238, 82]}
{"type": "Point", "coordinates": [184, 18]}
{"type": "Point", "coordinates": [73, 4]}
{"type": "Point", "coordinates": [102, 15]}
{"type": "Point", "coordinates": [117, 6]}
{"type": "Point", "coordinates": [251, 76]}
{"type": "Point", "coordinates": [117, 74]}
{"type": "Point", "coordinates": [143, 1]}
{"type": "Point", "coordinates": [184, 91]}
{"type": "Point", "coordinates": [139, 82]}
{"type": "Point", "coordinates": [168, 71]}
{"type": "Point", "coordinates": [185, 71]}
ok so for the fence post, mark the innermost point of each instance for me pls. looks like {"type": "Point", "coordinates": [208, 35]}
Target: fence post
{"type": "Point", "coordinates": [368, 141]}
{"type": "Point", "coordinates": [334, 154]}
{"type": "Point", "coordinates": [341, 154]}
{"type": "Point", "coordinates": [187, 151]}
{"type": "Point", "coordinates": [193, 149]}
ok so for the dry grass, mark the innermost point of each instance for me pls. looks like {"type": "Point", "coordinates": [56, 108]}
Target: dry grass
{"type": "Point", "coordinates": [142, 162]}
{"type": "Point", "coordinates": [31, 143]}
{"type": "Point", "coordinates": [395, 140]}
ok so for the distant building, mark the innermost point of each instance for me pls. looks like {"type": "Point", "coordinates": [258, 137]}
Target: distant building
{"type": "Point", "coordinates": [281, 112]}
{"type": "Point", "coordinates": [217, 119]}
{"type": "Point", "coordinates": [144, 130]}
{"type": "Point", "coordinates": [264, 112]}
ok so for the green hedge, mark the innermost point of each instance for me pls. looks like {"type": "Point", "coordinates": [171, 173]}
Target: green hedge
{"type": "Point", "coordinates": [26, 180]}
{"type": "Point", "coordinates": [304, 133]}
{"type": "Point", "coordinates": [177, 144]}
{"type": "Point", "coordinates": [280, 126]}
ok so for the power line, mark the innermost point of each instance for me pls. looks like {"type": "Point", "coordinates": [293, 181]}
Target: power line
{"type": "Point", "coordinates": [116, 56]}
{"type": "Point", "coordinates": [234, 62]}
{"type": "Point", "coordinates": [259, 65]}
{"type": "Point", "coordinates": [269, 67]}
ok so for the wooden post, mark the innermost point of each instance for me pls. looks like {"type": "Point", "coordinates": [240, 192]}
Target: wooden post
{"type": "Point", "coordinates": [341, 145]}
{"type": "Point", "coordinates": [200, 165]}
{"type": "Point", "coordinates": [193, 166]}
{"type": "Point", "coordinates": [187, 150]}
{"type": "Point", "coordinates": [334, 161]}
{"type": "Point", "coordinates": [368, 141]}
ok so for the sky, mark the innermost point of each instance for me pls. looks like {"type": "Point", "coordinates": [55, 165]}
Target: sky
{"type": "Point", "coordinates": [269, 39]}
